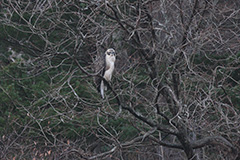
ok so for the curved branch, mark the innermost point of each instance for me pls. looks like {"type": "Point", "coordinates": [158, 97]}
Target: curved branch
{"type": "Point", "coordinates": [211, 141]}
{"type": "Point", "coordinates": [169, 145]}
{"type": "Point", "coordinates": [138, 115]}
{"type": "Point", "coordinates": [104, 153]}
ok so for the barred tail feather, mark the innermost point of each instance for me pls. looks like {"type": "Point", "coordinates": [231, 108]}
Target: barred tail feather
{"type": "Point", "coordinates": [102, 89]}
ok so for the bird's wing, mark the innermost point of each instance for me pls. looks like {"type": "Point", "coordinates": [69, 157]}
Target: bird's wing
{"type": "Point", "coordinates": [99, 67]}
{"type": "Point", "coordinates": [106, 67]}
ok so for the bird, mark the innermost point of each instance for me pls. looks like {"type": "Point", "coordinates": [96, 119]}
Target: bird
{"type": "Point", "coordinates": [107, 70]}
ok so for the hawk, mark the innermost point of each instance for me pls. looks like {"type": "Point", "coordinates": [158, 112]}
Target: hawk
{"type": "Point", "coordinates": [107, 69]}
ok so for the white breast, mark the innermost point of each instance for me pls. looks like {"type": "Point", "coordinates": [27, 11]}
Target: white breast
{"type": "Point", "coordinates": [108, 74]}
{"type": "Point", "coordinates": [110, 60]}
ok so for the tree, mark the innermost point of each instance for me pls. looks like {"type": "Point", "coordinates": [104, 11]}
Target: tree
{"type": "Point", "coordinates": [174, 94]}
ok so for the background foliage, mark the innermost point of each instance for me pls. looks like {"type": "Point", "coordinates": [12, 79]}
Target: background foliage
{"type": "Point", "coordinates": [174, 95]}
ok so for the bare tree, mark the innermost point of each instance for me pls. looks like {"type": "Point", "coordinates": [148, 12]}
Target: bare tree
{"type": "Point", "coordinates": [175, 93]}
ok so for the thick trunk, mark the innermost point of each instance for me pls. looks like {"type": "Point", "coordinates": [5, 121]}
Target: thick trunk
{"type": "Point", "coordinates": [188, 149]}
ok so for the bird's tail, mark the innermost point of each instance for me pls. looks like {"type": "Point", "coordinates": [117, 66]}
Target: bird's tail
{"type": "Point", "coordinates": [102, 89]}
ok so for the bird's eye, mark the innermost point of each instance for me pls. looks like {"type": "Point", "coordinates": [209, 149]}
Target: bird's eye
{"type": "Point", "coordinates": [108, 53]}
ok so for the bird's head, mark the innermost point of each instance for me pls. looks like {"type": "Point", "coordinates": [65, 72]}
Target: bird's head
{"type": "Point", "coordinates": [110, 52]}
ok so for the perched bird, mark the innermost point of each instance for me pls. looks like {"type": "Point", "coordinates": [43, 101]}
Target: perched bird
{"type": "Point", "coordinates": [107, 69]}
